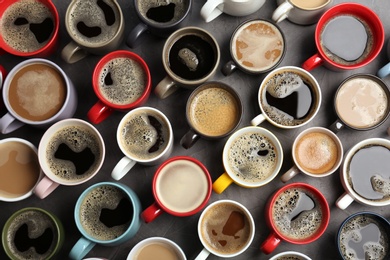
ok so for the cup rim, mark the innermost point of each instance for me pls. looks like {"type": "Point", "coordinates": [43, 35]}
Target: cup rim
{"type": "Point", "coordinates": [199, 207]}
{"type": "Point", "coordinates": [311, 9]}
{"type": "Point", "coordinates": [294, 253]}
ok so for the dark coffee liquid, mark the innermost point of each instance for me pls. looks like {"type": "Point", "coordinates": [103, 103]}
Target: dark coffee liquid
{"type": "Point", "coordinates": [191, 57]}
{"type": "Point", "coordinates": [82, 160]}
{"type": "Point", "coordinates": [41, 243]}
{"type": "Point", "coordinates": [109, 14]}
{"type": "Point", "coordinates": [121, 215]}
{"type": "Point", "coordinates": [160, 137]}
{"type": "Point", "coordinates": [162, 13]}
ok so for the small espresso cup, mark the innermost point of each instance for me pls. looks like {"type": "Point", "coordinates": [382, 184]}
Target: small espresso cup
{"type": "Point", "coordinates": [364, 174]}
{"type": "Point", "coordinates": [213, 111]}
{"type": "Point", "coordinates": [145, 136]}
{"type": "Point", "coordinates": [214, 8]}
{"type": "Point", "coordinates": [290, 255]}
{"type": "Point", "coordinates": [181, 187]}
{"type": "Point", "coordinates": [70, 153]}
{"type": "Point", "coordinates": [33, 233]}
{"type": "Point", "coordinates": [95, 27]}
{"type": "Point", "coordinates": [256, 46]}
{"type": "Point", "coordinates": [225, 221]}
{"type": "Point", "coordinates": [37, 92]}
{"type": "Point", "coordinates": [190, 57]}
{"type": "Point", "coordinates": [19, 167]}
{"type": "Point", "coordinates": [106, 214]}
{"type": "Point", "coordinates": [278, 97]}
{"type": "Point", "coordinates": [361, 103]}
{"type": "Point", "coordinates": [121, 80]}
{"type": "Point", "coordinates": [364, 235]}
{"type": "Point", "coordinates": [316, 152]}
{"type": "Point", "coordinates": [158, 18]}
{"type": "Point", "coordinates": [252, 157]}
{"type": "Point", "coordinates": [385, 70]}
{"type": "Point", "coordinates": [348, 36]}
{"type": "Point", "coordinates": [300, 11]}
{"type": "Point", "coordinates": [297, 213]}
{"type": "Point", "coordinates": [156, 248]}
{"type": "Point", "coordinates": [28, 28]}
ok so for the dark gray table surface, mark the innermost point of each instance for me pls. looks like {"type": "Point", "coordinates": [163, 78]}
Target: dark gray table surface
{"type": "Point", "coordinates": [300, 46]}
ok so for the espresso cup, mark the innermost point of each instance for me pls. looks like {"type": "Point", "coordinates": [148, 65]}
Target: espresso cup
{"type": "Point", "coordinates": [106, 214]}
{"type": "Point", "coordinates": [361, 103]}
{"type": "Point", "coordinates": [70, 153]}
{"type": "Point", "coordinates": [226, 229]}
{"type": "Point", "coordinates": [252, 157]}
{"type": "Point", "coordinates": [278, 97]}
{"type": "Point", "coordinates": [364, 174]}
{"type": "Point", "coordinates": [28, 28]}
{"type": "Point", "coordinates": [32, 233]}
{"type": "Point", "coordinates": [300, 11]}
{"type": "Point", "coordinates": [145, 136]}
{"type": "Point", "coordinates": [95, 27]}
{"type": "Point", "coordinates": [290, 255]}
{"type": "Point", "coordinates": [158, 18]}
{"type": "Point", "coordinates": [214, 8]}
{"type": "Point", "coordinates": [37, 92]}
{"type": "Point", "coordinates": [181, 187]}
{"type": "Point", "coordinates": [190, 57]}
{"type": "Point", "coordinates": [156, 248]}
{"type": "Point", "coordinates": [256, 46]}
{"type": "Point", "coordinates": [364, 235]}
{"type": "Point", "coordinates": [297, 213]}
{"type": "Point", "coordinates": [121, 80]}
{"type": "Point", "coordinates": [385, 70]}
{"type": "Point", "coordinates": [316, 152]}
{"type": "Point", "coordinates": [213, 111]}
{"type": "Point", "coordinates": [348, 36]}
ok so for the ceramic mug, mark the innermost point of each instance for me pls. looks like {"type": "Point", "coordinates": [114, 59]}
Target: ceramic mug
{"type": "Point", "coordinates": [385, 70]}
{"type": "Point", "coordinates": [156, 247]}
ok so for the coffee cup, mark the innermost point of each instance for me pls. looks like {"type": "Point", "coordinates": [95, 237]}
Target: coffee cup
{"type": "Point", "coordinates": [364, 235]}
{"type": "Point", "coordinates": [347, 36]}
{"type": "Point", "coordinates": [190, 57]}
{"type": "Point", "coordinates": [364, 174]}
{"type": "Point", "coordinates": [181, 187]}
{"type": "Point", "coordinates": [385, 70]}
{"type": "Point", "coordinates": [20, 170]}
{"type": "Point", "coordinates": [121, 80]}
{"type": "Point", "coordinates": [106, 214]}
{"type": "Point", "coordinates": [95, 27]}
{"type": "Point", "coordinates": [252, 157]}
{"type": "Point", "coordinates": [70, 153]}
{"type": "Point", "coordinates": [213, 111]}
{"type": "Point", "coordinates": [37, 92]}
{"type": "Point", "coordinates": [297, 213]}
{"type": "Point", "coordinates": [300, 11]}
{"type": "Point", "coordinates": [145, 136]}
{"type": "Point", "coordinates": [316, 152]}
{"type": "Point", "coordinates": [226, 229]}
{"type": "Point", "coordinates": [158, 18]}
{"type": "Point", "coordinates": [278, 97]}
{"type": "Point", "coordinates": [28, 28]}
{"type": "Point", "coordinates": [290, 255]}
{"type": "Point", "coordinates": [361, 103]}
{"type": "Point", "coordinates": [156, 248]}
{"type": "Point", "coordinates": [214, 8]}
{"type": "Point", "coordinates": [256, 46]}
{"type": "Point", "coordinates": [33, 233]}
{"type": "Point", "coordinates": [3, 74]}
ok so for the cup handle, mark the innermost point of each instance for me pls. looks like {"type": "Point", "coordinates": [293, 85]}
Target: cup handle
{"type": "Point", "coordinates": [336, 126]}
{"type": "Point", "coordinates": [81, 248]}
{"type": "Point", "coordinates": [344, 201]}
{"type": "Point", "coordinates": [99, 112]}
{"type": "Point", "coordinates": [281, 12]}
{"type": "Point", "coordinates": [45, 187]}
{"type": "Point", "coordinates": [135, 34]}
{"type": "Point", "coordinates": [289, 174]}
{"type": "Point", "coordinates": [189, 139]}
{"type": "Point", "coordinates": [313, 62]}
{"type": "Point", "coordinates": [270, 243]}
{"type": "Point", "coordinates": [151, 212]}
{"type": "Point", "coordinates": [3, 72]}
{"type": "Point", "coordinates": [222, 183]}
{"type": "Point", "coordinates": [72, 53]}
{"type": "Point", "coordinates": [165, 88]}
{"type": "Point", "coordinates": [229, 68]}
{"type": "Point", "coordinates": [122, 167]}
{"type": "Point", "coordinates": [210, 10]}
{"type": "Point", "coordinates": [258, 120]}
{"type": "Point", "coordinates": [384, 71]}
{"type": "Point", "coordinates": [203, 254]}
{"type": "Point", "coordinates": [8, 124]}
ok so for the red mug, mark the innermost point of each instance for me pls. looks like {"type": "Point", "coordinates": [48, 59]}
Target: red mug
{"type": "Point", "coordinates": [307, 205]}
{"type": "Point", "coordinates": [45, 42]}
{"type": "Point", "coordinates": [372, 25]}
{"type": "Point", "coordinates": [181, 187]}
{"type": "Point", "coordinates": [127, 74]}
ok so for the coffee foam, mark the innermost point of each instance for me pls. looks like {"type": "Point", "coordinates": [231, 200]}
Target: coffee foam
{"type": "Point", "coordinates": [180, 8]}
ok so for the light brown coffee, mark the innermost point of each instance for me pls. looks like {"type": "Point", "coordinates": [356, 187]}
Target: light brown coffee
{"type": "Point", "coordinates": [19, 168]}
{"type": "Point", "coordinates": [37, 92]}
{"type": "Point", "coordinates": [157, 250]}
{"type": "Point", "coordinates": [316, 152]}
{"type": "Point", "coordinates": [312, 4]}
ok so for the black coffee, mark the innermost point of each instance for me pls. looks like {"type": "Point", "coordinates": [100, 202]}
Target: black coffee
{"type": "Point", "coordinates": [192, 57]}
{"type": "Point", "coordinates": [163, 11]}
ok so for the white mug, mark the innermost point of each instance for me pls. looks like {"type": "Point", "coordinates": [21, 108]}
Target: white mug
{"type": "Point", "coordinates": [168, 245]}
{"type": "Point", "coordinates": [290, 254]}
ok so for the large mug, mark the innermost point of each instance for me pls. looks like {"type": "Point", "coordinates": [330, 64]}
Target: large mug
{"type": "Point", "coordinates": [155, 248]}
{"type": "Point", "coordinates": [385, 70]}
